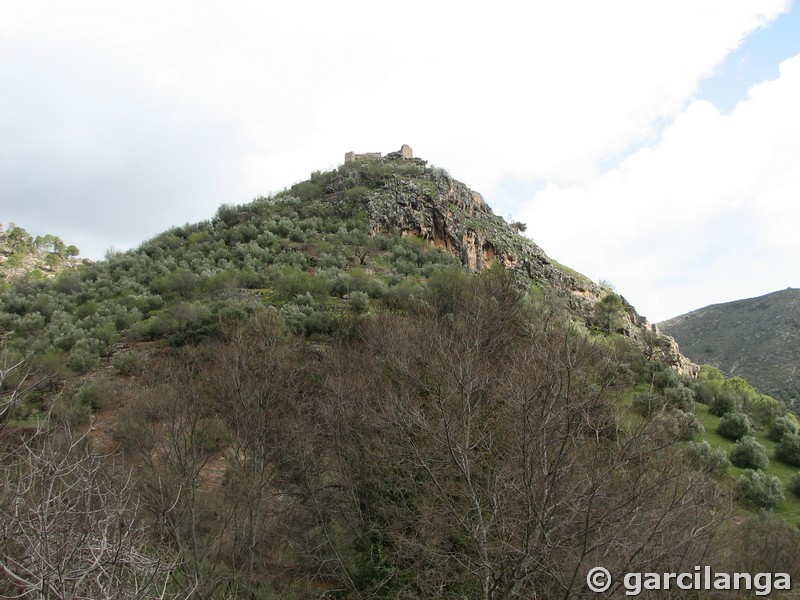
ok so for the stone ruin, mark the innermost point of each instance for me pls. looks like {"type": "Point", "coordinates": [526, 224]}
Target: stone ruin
{"type": "Point", "coordinates": [405, 153]}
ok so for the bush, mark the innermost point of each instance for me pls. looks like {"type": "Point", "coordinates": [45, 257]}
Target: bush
{"type": "Point", "coordinates": [788, 450]}
{"type": "Point", "coordinates": [209, 436]}
{"type": "Point", "coordinates": [128, 363]}
{"type": "Point", "coordinates": [734, 426]}
{"type": "Point", "coordinates": [680, 397]}
{"type": "Point", "coordinates": [687, 425]}
{"type": "Point", "coordinates": [664, 378]}
{"type": "Point", "coordinates": [758, 489]}
{"type": "Point", "coordinates": [723, 402]}
{"type": "Point", "coordinates": [95, 394]}
{"type": "Point", "coordinates": [749, 454]}
{"type": "Point", "coordinates": [677, 424]}
{"type": "Point", "coordinates": [704, 392]}
{"type": "Point", "coordinates": [710, 460]}
{"type": "Point", "coordinates": [762, 409]}
{"type": "Point", "coordinates": [82, 358]}
{"type": "Point", "coordinates": [794, 484]}
{"type": "Point", "coordinates": [72, 410]}
{"type": "Point", "coordinates": [783, 426]}
{"type": "Point", "coordinates": [648, 403]}
{"type": "Point", "coordinates": [359, 302]}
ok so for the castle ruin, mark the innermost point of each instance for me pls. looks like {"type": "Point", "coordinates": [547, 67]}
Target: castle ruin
{"type": "Point", "coordinates": [405, 153]}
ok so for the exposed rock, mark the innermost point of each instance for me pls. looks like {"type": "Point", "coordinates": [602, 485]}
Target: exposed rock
{"type": "Point", "coordinates": [426, 202]}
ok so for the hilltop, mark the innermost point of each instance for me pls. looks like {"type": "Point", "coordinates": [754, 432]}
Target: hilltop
{"type": "Point", "coordinates": [755, 338]}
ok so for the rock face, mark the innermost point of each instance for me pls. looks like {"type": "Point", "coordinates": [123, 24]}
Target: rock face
{"type": "Point", "coordinates": [426, 202]}
{"type": "Point", "coordinates": [447, 213]}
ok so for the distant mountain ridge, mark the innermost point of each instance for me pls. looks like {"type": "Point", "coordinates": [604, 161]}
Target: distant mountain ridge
{"type": "Point", "coordinates": [755, 338]}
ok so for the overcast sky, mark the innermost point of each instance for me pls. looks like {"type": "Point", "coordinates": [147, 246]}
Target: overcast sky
{"type": "Point", "coordinates": [653, 144]}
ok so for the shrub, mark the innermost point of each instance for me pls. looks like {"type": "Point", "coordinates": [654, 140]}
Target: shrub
{"type": "Point", "coordinates": [723, 402]}
{"type": "Point", "coordinates": [762, 409]}
{"type": "Point", "coordinates": [788, 450]}
{"type": "Point", "coordinates": [648, 403]}
{"type": "Point", "coordinates": [794, 484]}
{"type": "Point", "coordinates": [704, 391]}
{"type": "Point", "coordinates": [710, 460]}
{"type": "Point", "coordinates": [209, 436]}
{"type": "Point", "coordinates": [783, 426]}
{"type": "Point", "coordinates": [71, 410]}
{"type": "Point", "coordinates": [294, 317]}
{"type": "Point", "coordinates": [307, 191]}
{"type": "Point", "coordinates": [82, 358]}
{"type": "Point", "coordinates": [359, 302]}
{"type": "Point", "coordinates": [758, 489]}
{"type": "Point", "coordinates": [95, 394]}
{"type": "Point", "coordinates": [680, 397]}
{"type": "Point", "coordinates": [664, 378]}
{"type": "Point", "coordinates": [128, 363]}
{"type": "Point", "coordinates": [749, 454]}
{"type": "Point", "coordinates": [405, 295]}
{"type": "Point", "coordinates": [734, 426]}
{"type": "Point", "coordinates": [688, 425]}
{"type": "Point", "coordinates": [677, 424]}
{"type": "Point", "coordinates": [608, 313]}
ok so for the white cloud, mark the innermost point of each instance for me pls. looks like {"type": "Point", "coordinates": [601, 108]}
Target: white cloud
{"type": "Point", "coordinates": [128, 117]}
{"type": "Point", "coordinates": [708, 214]}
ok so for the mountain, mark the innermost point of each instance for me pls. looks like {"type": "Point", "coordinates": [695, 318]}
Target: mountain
{"type": "Point", "coordinates": [367, 385]}
{"type": "Point", "coordinates": [756, 338]}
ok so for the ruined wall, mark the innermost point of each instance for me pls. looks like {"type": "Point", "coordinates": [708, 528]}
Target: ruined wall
{"type": "Point", "coordinates": [352, 156]}
{"type": "Point", "coordinates": [405, 153]}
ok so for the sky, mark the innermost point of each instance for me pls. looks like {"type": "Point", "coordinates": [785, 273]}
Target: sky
{"type": "Point", "coordinates": [653, 145]}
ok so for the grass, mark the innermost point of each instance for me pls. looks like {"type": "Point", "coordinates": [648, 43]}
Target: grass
{"type": "Point", "coordinates": [789, 509]}
{"type": "Point", "coordinates": [580, 277]}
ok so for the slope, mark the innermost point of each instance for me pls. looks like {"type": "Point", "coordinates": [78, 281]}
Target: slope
{"type": "Point", "coordinates": [755, 338]}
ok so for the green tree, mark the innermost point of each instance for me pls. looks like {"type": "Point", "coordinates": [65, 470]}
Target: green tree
{"type": "Point", "coordinates": [713, 461]}
{"type": "Point", "coordinates": [747, 453]}
{"type": "Point", "coordinates": [759, 489]}
{"type": "Point", "coordinates": [734, 426]}
{"type": "Point", "coordinates": [783, 426]}
{"type": "Point", "coordinates": [608, 312]}
{"type": "Point", "coordinates": [788, 450]}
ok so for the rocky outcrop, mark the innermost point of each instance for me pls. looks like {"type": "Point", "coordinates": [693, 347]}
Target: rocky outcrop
{"type": "Point", "coordinates": [436, 207]}
{"type": "Point", "coordinates": [406, 195]}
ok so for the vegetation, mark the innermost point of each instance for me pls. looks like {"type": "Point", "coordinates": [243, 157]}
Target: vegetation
{"type": "Point", "coordinates": [769, 323]}
{"type": "Point", "coordinates": [734, 425]}
{"type": "Point", "coordinates": [747, 453]}
{"type": "Point", "coordinates": [21, 253]}
{"type": "Point", "coordinates": [758, 489]}
{"type": "Point", "coordinates": [281, 402]}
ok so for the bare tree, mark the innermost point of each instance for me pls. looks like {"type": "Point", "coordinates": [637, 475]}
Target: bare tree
{"type": "Point", "coordinates": [458, 458]}
{"type": "Point", "coordinates": [14, 372]}
{"type": "Point", "coordinates": [164, 432]}
{"type": "Point", "coordinates": [258, 378]}
{"type": "Point", "coordinates": [70, 525]}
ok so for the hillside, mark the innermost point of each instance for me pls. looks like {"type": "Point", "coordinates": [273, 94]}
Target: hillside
{"type": "Point", "coordinates": [756, 338]}
{"type": "Point", "coordinates": [40, 256]}
{"type": "Point", "coordinates": [367, 385]}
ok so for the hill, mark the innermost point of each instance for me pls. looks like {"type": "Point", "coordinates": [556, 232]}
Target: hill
{"type": "Point", "coordinates": [367, 385]}
{"type": "Point", "coordinates": [756, 338]}
{"type": "Point", "coordinates": [40, 256]}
